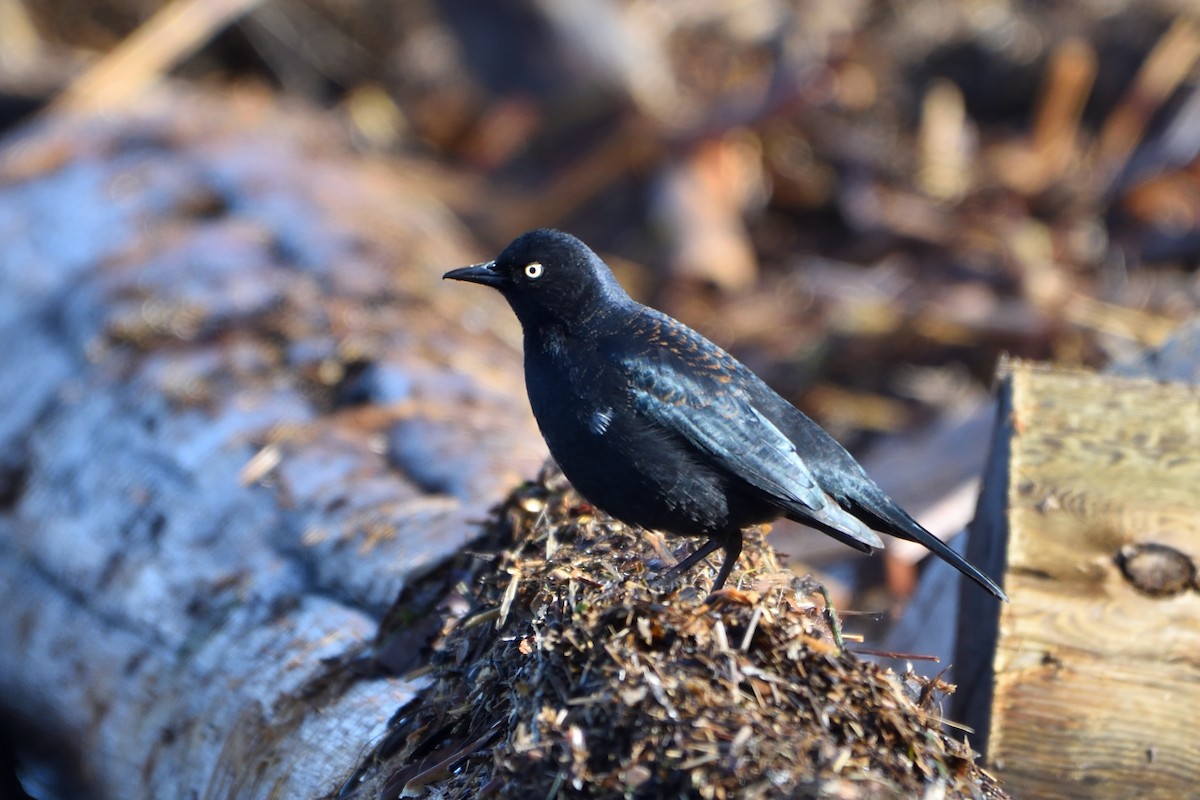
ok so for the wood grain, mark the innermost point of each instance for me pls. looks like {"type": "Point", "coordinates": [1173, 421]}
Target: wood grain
{"type": "Point", "coordinates": [1096, 682]}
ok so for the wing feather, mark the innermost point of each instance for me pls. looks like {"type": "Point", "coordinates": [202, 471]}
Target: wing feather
{"type": "Point", "coordinates": [718, 418]}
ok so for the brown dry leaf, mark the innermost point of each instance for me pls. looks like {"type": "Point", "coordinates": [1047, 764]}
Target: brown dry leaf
{"type": "Point", "coordinates": [699, 203]}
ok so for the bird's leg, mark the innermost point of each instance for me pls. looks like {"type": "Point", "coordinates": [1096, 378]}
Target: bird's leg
{"type": "Point", "coordinates": [669, 577]}
{"type": "Point", "coordinates": [731, 542]}
{"type": "Point", "coordinates": [733, 549]}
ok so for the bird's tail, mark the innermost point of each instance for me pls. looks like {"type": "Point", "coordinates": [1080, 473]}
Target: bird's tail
{"type": "Point", "coordinates": [891, 519]}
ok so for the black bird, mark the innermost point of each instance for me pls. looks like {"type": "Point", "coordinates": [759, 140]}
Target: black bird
{"type": "Point", "coordinates": [661, 428]}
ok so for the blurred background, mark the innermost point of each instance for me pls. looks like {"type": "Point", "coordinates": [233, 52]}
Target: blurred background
{"type": "Point", "coordinates": [867, 202]}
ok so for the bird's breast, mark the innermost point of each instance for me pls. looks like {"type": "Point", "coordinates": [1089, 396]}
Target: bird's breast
{"type": "Point", "coordinates": [618, 458]}
{"type": "Point", "coordinates": [572, 393]}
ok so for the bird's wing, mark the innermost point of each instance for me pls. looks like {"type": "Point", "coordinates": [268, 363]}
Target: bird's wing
{"type": "Point", "coordinates": [707, 407]}
{"type": "Point", "coordinates": [845, 479]}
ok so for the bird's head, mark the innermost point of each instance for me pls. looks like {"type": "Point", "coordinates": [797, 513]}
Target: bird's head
{"type": "Point", "coordinates": [549, 278]}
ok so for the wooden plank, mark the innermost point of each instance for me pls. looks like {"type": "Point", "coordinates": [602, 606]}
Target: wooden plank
{"type": "Point", "coordinates": [1097, 682]}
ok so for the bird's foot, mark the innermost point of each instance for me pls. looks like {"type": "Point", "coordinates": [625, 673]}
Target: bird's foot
{"type": "Point", "coordinates": [664, 581]}
{"type": "Point", "coordinates": [727, 595]}
{"type": "Point", "coordinates": [670, 581]}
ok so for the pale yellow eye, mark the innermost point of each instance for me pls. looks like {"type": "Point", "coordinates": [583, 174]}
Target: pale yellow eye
{"type": "Point", "coordinates": [534, 270]}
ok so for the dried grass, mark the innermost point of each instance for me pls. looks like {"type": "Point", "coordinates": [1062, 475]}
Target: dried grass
{"type": "Point", "coordinates": [571, 678]}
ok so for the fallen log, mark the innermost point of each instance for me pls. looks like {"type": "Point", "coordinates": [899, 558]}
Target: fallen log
{"type": "Point", "coordinates": [240, 417]}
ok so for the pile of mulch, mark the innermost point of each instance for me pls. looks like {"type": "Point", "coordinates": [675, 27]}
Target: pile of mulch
{"type": "Point", "coordinates": [569, 676]}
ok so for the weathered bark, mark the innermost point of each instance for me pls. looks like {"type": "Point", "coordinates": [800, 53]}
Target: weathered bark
{"type": "Point", "coordinates": [240, 415]}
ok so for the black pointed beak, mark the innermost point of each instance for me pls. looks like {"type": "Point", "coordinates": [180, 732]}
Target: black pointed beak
{"type": "Point", "coordinates": [477, 273]}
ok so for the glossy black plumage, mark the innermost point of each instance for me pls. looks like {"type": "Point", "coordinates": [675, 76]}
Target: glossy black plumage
{"type": "Point", "coordinates": [661, 428]}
